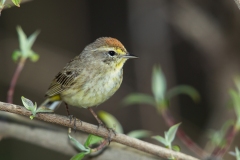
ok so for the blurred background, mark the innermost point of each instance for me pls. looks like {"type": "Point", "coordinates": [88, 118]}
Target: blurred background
{"type": "Point", "coordinates": [196, 42]}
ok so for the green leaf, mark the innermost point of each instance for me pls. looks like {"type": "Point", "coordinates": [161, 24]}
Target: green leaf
{"type": "Point", "coordinates": [237, 83]}
{"type": "Point", "coordinates": [176, 148]}
{"type": "Point", "coordinates": [16, 2]}
{"type": "Point", "coordinates": [26, 44]}
{"type": "Point", "coordinates": [171, 133]}
{"type": "Point", "coordinates": [160, 139]}
{"type": "Point", "coordinates": [236, 104]}
{"type": "Point", "coordinates": [139, 134]}
{"type": "Point", "coordinates": [34, 57]}
{"type": "Point", "coordinates": [28, 104]}
{"type": "Point", "coordinates": [92, 139]}
{"type": "Point", "coordinates": [184, 89]}
{"type": "Point", "coordinates": [139, 98]}
{"type": "Point", "coordinates": [110, 121]}
{"type": "Point", "coordinates": [236, 153]}
{"type": "Point", "coordinates": [217, 137]}
{"type": "Point", "coordinates": [2, 2]}
{"type": "Point", "coordinates": [32, 38]}
{"type": "Point", "coordinates": [16, 54]}
{"type": "Point", "coordinates": [22, 40]}
{"type": "Point", "coordinates": [158, 84]}
{"type": "Point", "coordinates": [78, 144]}
{"type": "Point", "coordinates": [78, 156]}
{"type": "Point", "coordinates": [43, 109]}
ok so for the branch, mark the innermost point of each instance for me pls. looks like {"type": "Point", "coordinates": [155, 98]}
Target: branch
{"type": "Point", "coordinates": [93, 129]}
{"type": "Point", "coordinates": [55, 139]}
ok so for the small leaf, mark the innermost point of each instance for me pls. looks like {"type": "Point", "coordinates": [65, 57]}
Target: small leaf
{"type": "Point", "coordinates": [139, 98]}
{"type": "Point", "coordinates": [171, 133]}
{"type": "Point", "coordinates": [78, 144]}
{"type": "Point", "coordinates": [184, 89]}
{"type": "Point", "coordinates": [158, 84]}
{"type": "Point", "coordinates": [31, 117]}
{"type": "Point", "coordinates": [232, 153]}
{"type": "Point", "coordinates": [16, 2]}
{"type": "Point", "coordinates": [139, 134]}
{"type": "Point", "coordinates": [160, 139]}
{"type": "Point", "coordinates": [236, 104]}
{"type": "Point", "coordinates": [16, 54]}
{"type": "Point", "coordinates": [34, 57]}
{"type": "Point", "coordinates": [176, 148]}
{"type": "Point", "coordinates": [78, 156]}
{"type": "Point", "coordinates": [22, 40]}
{"type": "Point", "coordinates": [26, 44]}
{"type": "Point", "coordinates": [92, 139]}
{"type": "Point", "coordinates": [237, 83]}
{"type": "Point", "coordinates": [32, 38]}
{"type": "Point", "coordinates": [2, 2]}
{"type": "Point", "coordinates": [28, 104]}
{"type": "Point", "coordinates": [43, 109]}
{"type": "Point", "coordinates": [237, 153]}
{"type": "Point", "coordinates": [110, 121]}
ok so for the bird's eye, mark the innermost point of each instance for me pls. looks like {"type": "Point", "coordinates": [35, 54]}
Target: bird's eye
{"type": "Point", "coordinates": [111, 53]}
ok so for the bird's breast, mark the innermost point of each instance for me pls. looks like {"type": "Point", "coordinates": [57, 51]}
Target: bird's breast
{"type": "Point", "coordinates": [93, 89]}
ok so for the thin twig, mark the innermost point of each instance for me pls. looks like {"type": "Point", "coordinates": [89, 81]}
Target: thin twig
{"type": "Point", "coordinates": [229, 137]}
{"type": "Point", "coordinates": [55, 138]}
{"type": "Point", "coordinates": [18, 70]}
{"type": "Point", "coordinates": [102, 132]}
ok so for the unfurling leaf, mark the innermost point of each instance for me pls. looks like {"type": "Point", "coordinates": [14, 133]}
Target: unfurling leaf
{"type": "Point", "coordinates": [139, 98]}
{"type": "Point", "coordinates": [110, 121]}
{"type": "Point", "coordinates": [16, 2]}
{"type": "Point", "coordinates": [161, 140]}
{"type": "Point", "coordinates": [176, 148]}
{"type": "Point", "coordinates": [28, 104]}
{"type": "Point", "coordinates": [139, 134]}
{"type": "Point", "coordinates": [171, 133]}
{"type": "Point", "coordinates": [43, 109]}
{"type": "Point", "coordinates": [78, 144]}
{"type": "Point", "coordinates": [92, 139]}
{"type": "Point", "coordinates": [158, 84]}
{"type": "Point", "coordinates": [184, 89]}
{"type": "Point", "coordinates": [26, 44]}
{"type": "Point", "coordinates": [78, 156]}
{"type": "Point", "coordinates": [16, 54]}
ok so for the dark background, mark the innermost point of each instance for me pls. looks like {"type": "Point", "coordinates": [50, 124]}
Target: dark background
{"type": "Point", "coordinates": [196, 42]}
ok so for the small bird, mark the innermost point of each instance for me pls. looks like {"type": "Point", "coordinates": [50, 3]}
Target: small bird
{"type": "Point", "coordinates": [90, 78]}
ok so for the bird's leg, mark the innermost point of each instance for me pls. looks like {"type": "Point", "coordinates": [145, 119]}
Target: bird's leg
{"type": "Point", "coordinates": [102, 124]}
{"type": "Point", "coordinates": [96, 117]}
{"type": "Point", "coordinates": [71, 117]}
{"type": "Point", "coordinates": [66, 105]}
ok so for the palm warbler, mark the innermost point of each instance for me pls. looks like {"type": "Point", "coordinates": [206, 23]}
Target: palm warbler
{"type": "Point", "coordinates": [90, 78]}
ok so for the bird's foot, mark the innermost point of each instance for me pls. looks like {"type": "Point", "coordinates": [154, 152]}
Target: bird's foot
{"type": "Point", "coordinates": [71, 117]}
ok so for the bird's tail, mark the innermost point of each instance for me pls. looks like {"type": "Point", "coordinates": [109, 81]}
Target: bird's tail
{"type": "Point", "coordinates": [53, 105]}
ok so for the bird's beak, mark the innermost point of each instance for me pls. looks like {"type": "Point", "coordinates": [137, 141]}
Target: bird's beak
{"type": "Point", "coordinates": [128, 55]}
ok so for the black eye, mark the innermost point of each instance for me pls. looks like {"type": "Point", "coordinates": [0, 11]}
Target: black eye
{"type": "Point", "coordinates": [111, 53]}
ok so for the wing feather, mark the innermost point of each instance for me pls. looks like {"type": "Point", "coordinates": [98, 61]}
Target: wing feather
{"type": "Point", "coordinates": [64, 79]}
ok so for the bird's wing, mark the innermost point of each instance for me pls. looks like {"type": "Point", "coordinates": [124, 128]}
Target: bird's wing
{"type": "Point", "coordinates": [64, 79]}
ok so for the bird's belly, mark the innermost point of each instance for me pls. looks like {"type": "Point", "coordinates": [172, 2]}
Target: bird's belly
{"type": "Point", "coordinates": [93, 92]}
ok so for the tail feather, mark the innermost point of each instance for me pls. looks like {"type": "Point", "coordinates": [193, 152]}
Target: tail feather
{"type": "Point", "coordinates": [53, 105]}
